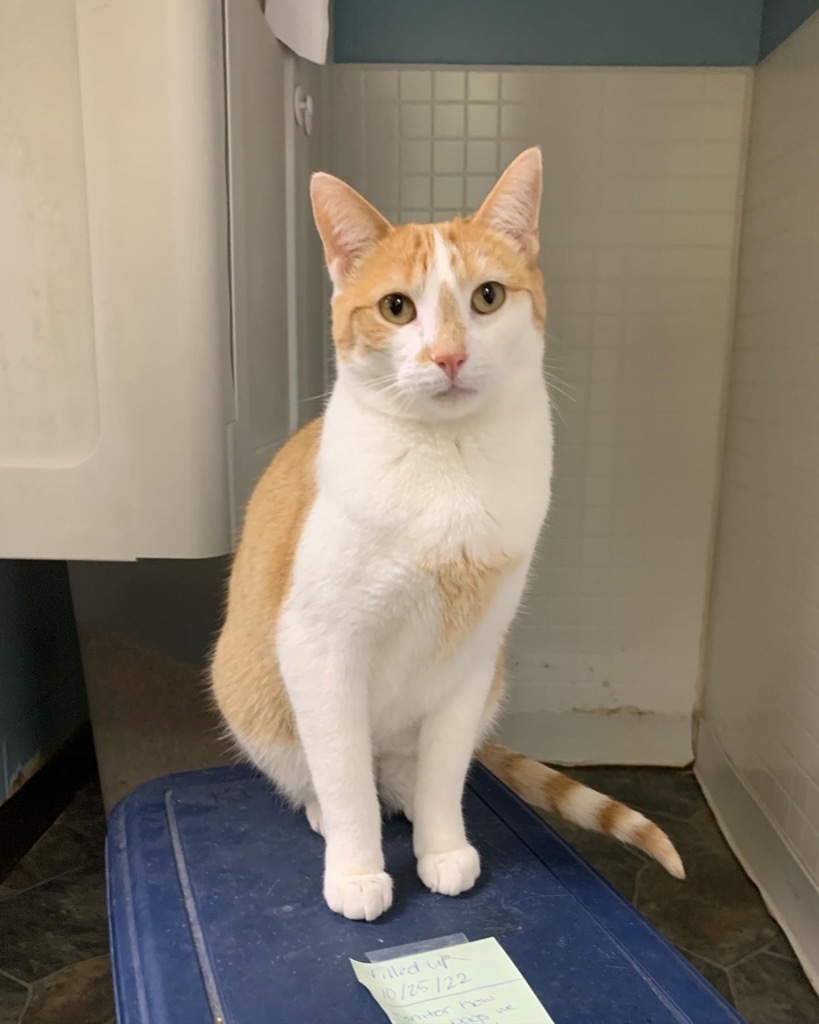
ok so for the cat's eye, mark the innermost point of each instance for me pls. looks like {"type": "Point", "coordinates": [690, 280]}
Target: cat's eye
{"type": "Point", "coordinates": [488, 297]}
{"type": "Point", "coordinates": [398, 309]}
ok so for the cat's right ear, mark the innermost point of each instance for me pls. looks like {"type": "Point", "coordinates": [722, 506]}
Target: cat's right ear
{"type": "Point", "coordinates": [348, 225]}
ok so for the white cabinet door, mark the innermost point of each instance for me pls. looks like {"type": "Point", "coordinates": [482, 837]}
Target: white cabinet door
{"type": "Point", "coordinates": [114, 298]}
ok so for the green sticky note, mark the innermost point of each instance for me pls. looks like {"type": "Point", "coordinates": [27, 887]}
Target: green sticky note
{"type": "Point", "coordinates": [474, 983]}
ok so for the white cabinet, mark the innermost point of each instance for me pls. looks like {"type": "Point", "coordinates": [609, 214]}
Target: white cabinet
{"type": "Point", "coordinates": [151, 350]}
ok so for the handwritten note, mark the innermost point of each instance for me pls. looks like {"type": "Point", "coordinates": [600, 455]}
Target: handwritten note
{"type": "Point", "coordinates": [474, 983]}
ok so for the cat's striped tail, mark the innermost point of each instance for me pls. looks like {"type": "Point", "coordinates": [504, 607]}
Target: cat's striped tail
{"type": "Point", "coordinates": [550, 790]}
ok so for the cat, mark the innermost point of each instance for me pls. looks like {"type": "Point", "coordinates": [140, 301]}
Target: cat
{"type": "Point", "coordinates": [386, 548]}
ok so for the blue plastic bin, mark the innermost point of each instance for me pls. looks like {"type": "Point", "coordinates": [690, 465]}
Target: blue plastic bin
{"type": "Point", "coordinates": [215, 904]}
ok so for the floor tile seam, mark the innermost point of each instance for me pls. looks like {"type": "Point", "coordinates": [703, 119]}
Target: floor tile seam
{"type": "Point", "coordinates": [784, 957]}
{"type": "Point", "coordinates": [687, 951]}
{"type": "Point", "coordinates": [52, 878]}
{"type": "Point", "coordinates": [640, 872]}
{"type": "Point", "coordinates": [26, 1006]}
{"type": "Point", "coordinates": [61, 970]}
{"type": "Point", "coordinates": [750, 956]}
{"type": "Point", "coordinates": [18, 981]}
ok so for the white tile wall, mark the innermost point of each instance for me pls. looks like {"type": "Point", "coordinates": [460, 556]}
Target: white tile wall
{"type": "Point", "coordinates": [762, 703]}
{"type": "Point", "coordinates": [638, 227]}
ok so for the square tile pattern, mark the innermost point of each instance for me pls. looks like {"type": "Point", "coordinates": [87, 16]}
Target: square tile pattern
{"type": "Point", "coordinates": [642, 171]}
{"type": "Point", "coordinates": [54, 966]}
{"type": "Point", "coordinates": [762, 695]}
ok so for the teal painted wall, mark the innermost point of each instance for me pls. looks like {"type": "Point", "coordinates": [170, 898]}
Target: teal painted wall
{"type": "Point", "coordinates": [780, 18]}
{"type": "Point", "coordinates": [590, 32]}
{"type": "Point", "coordinates": [42, 693]}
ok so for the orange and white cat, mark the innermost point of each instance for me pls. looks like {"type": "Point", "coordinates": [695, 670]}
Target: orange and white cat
{"type": "Point", "coordinates": [386, 548]}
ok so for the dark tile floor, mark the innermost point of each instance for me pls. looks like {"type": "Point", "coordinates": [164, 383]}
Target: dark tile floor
{"type": "Point", "coordinates": [716, 917]}
{"type": "Point", "coordinates": [54, 966]}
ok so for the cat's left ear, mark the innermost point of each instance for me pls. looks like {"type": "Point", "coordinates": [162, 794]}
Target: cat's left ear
{"type": "Point", "coordinates": [513, 205]}
{"type": "Point", "coordinates": [349, 226]}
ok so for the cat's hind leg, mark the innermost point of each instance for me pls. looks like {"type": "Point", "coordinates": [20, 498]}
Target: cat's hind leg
{"type": "Point", "coordinates": [249, 692]}
{"type": "Point", "coordinates": [288, 770]}
{"type": "Point", "coordinates": [285, 766]}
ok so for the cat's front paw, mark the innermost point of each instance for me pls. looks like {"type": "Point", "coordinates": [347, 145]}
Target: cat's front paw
{"type": "Point", "coordinates": [358, 897]}
{"type": "Point", "coordinates": [452, 872]}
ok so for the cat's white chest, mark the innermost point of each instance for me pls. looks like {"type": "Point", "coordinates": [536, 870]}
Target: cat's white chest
{"type": "Point", "coordinates": [414, 555]}
{"type": "Point", "coordinates": [482, 490]}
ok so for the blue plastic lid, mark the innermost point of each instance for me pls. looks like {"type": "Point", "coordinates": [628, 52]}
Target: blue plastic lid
{"type": "Point", "coordinates": [216, 911]}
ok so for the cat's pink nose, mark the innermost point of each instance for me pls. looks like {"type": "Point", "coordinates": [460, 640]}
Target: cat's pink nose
{"type": "Point", "coordinates": [450, 362]}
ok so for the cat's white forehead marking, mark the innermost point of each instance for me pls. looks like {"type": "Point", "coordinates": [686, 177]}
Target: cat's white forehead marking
{"type": "Point", "coordinates": [440, 271]}
{"type": "Point", "coordinates": [447, 294]}
{"type": "Point", "coordinates": [442, 261]}
{"type": "Point", "coordinates": [440, 281]}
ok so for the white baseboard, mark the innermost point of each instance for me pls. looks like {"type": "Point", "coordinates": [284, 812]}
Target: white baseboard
{"type": "Point", "coordinates": [789, 893]}
{"type": "Point", "coordinates": [574, 737]}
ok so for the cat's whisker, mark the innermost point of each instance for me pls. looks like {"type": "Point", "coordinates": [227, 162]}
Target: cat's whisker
{"type": "Point", "coordinates": [384, 388]}
{"type": "Point", "coordinates": [555, 364]}
{"type": "Point", "coordinates": [558, 339]}
{"type": "Point", "coordinates": [394, 389]}
{"type": "Point", "coordinates": [556, 379]}
{"type": "Point", "coordinates": [313, 398]}
{"type": "Point", "coordinates": [559, 413]}
{"type": "Point", "coordinates": [554, 387]}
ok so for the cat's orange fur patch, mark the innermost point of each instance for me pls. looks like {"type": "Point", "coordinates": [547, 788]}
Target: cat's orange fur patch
{"type": "Point", "coordinates": [465, 588]}
{"type": "Point", "coordinates": [401, 260]}
{"type": "Point", "coordinates": [613, 817]}
{"type": "Point", "coordinates": [480, 253]}
{"type": "Point", "coordinates": [247, 684]}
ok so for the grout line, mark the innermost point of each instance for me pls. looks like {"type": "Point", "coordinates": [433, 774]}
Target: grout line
{"type": "Point", "coordinates": [687, 951]}
{"type": "Point", "coordinates": [29, 994]}
{"type": "Point", "coordinates": [727, 971]}
{"type": "Point", "coordinates": [787, 957]}
{"type": "Point", "coordinates": [783, 957]}
{"type": "Point", "coordinates": [45, 881]}
{"type": "Point", "coordinates": [68, 967]}
{"type": "Point", "coordinates": [26, 1005]}
{"type": "Point", "coordinates": [748, 956]}
{"type": "Point", "coordinates": [11, 977]}
{"type": "Point", "coordinates": [640, 871]}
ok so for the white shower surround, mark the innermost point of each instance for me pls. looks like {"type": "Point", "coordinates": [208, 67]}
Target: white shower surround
{"type": "Point", "coordinates": [642, 182]}
{"type": "Point", "coordinates": [758, 748]}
